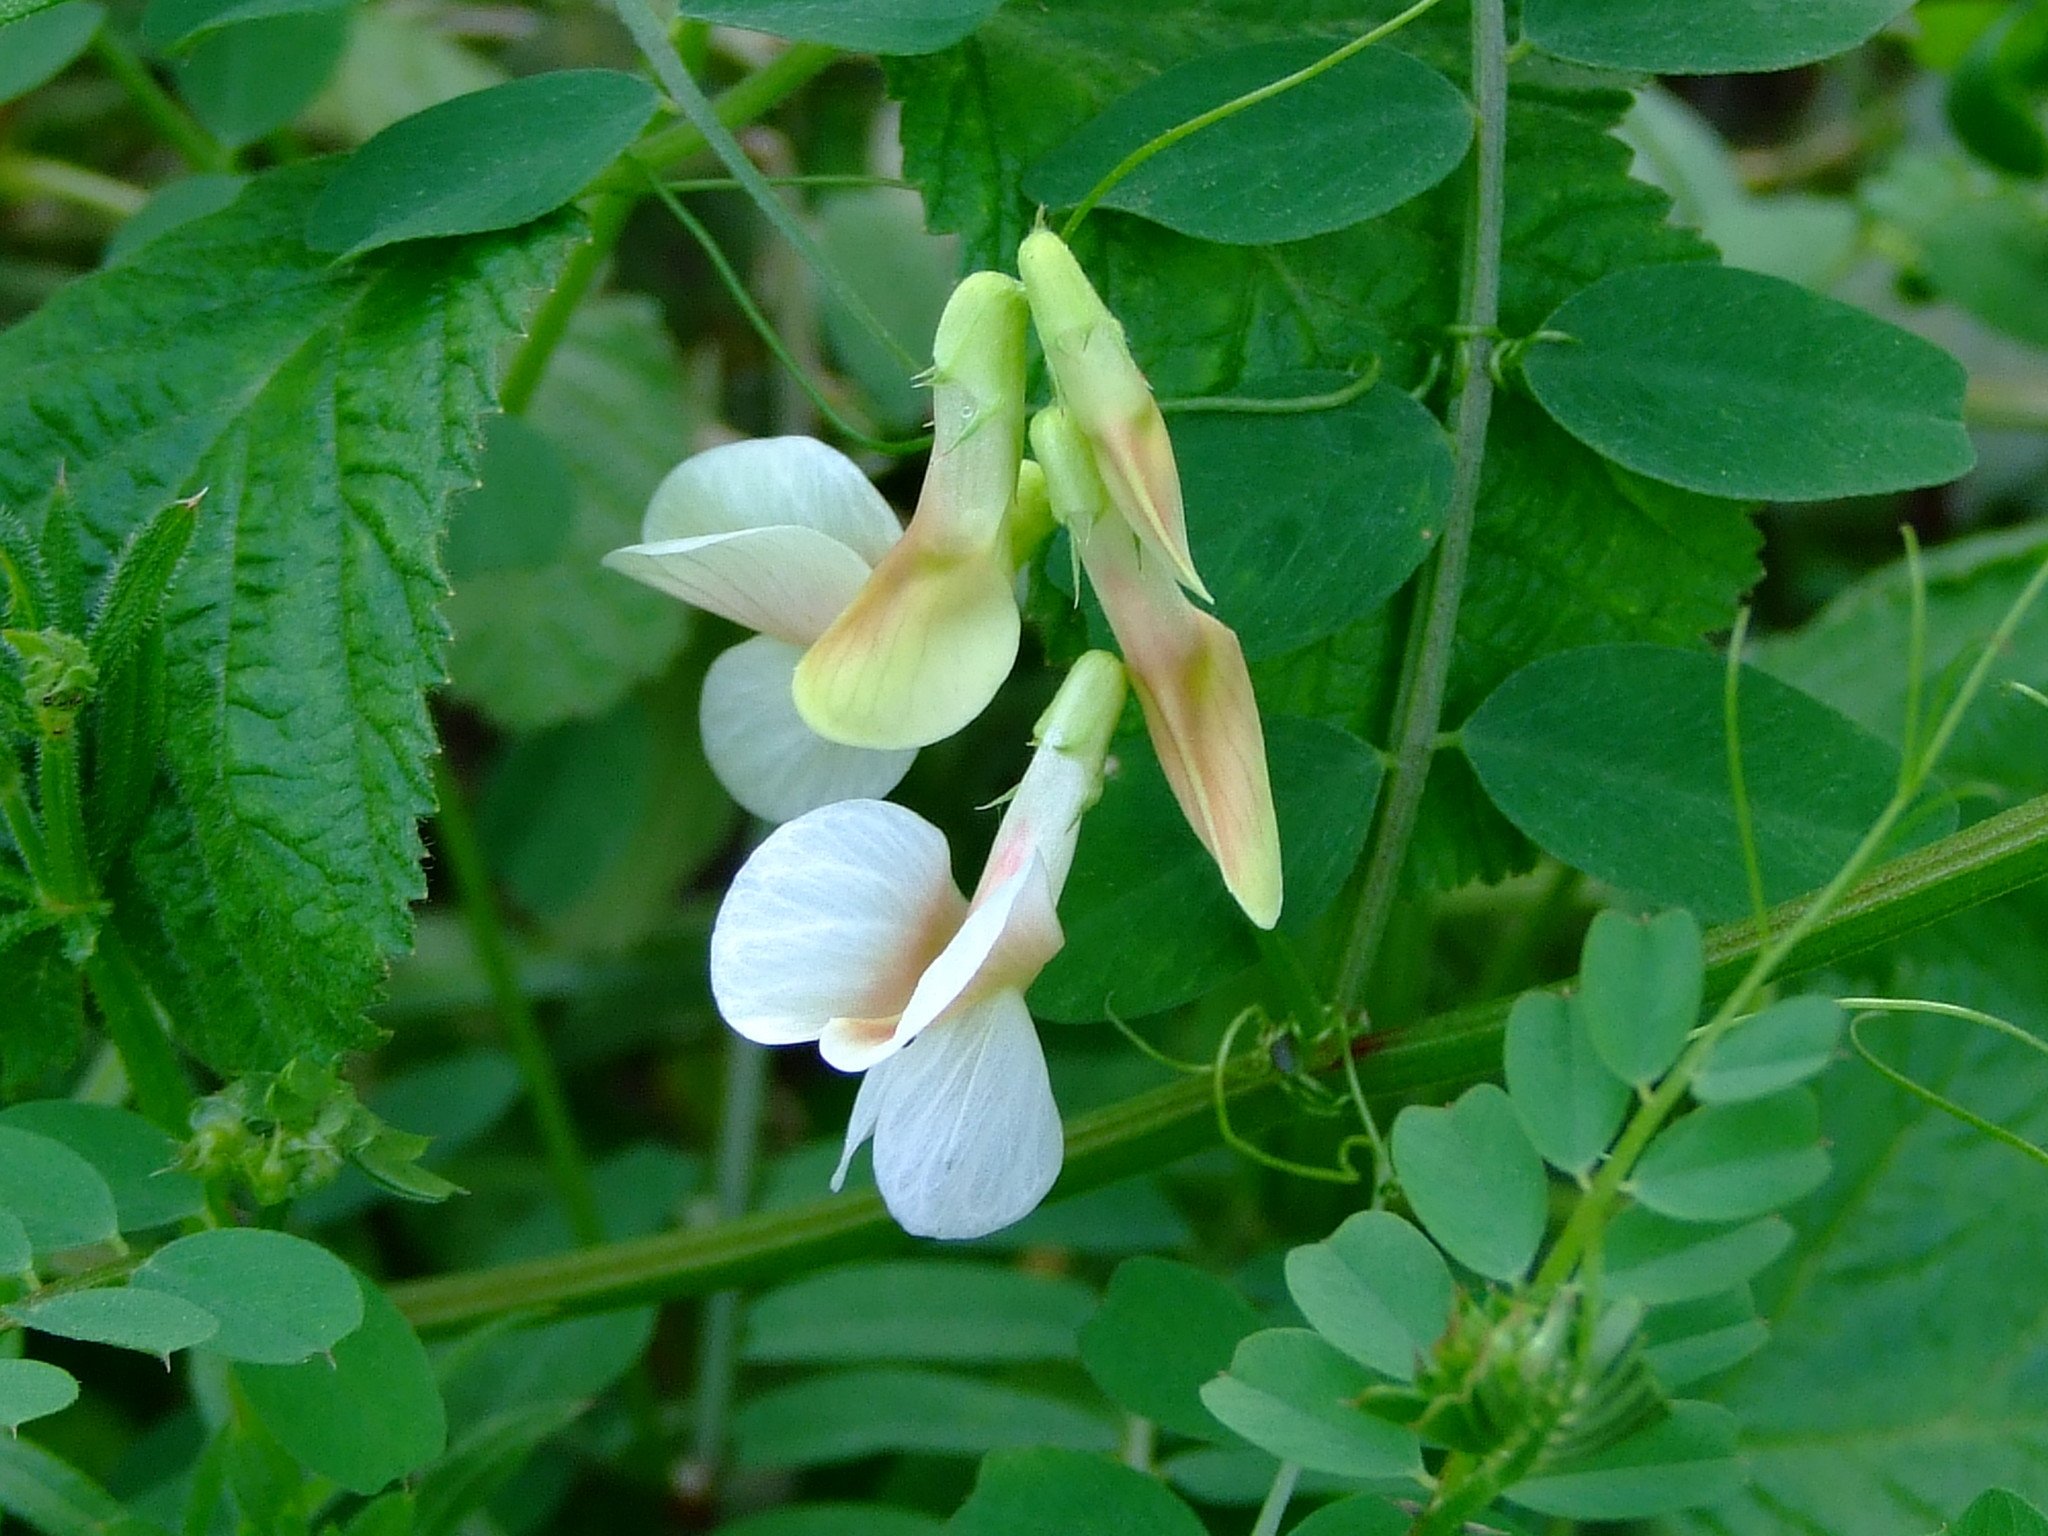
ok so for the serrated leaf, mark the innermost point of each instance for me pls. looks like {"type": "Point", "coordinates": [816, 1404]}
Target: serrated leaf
{"type": "Point", "coordinates": [40, 43]}
{"type": "Point", "coordinates": [1707, 37]}
{"type": "Point", "coordinates": [1164, 1328]}
{"type": "Point", "coordinates": [1356, 140]}
{"type": "Point", "coordinates": [1656, 1260]}
{"type": "Point", "coordinates": [846, 1415]}
{"type": "Point", "coordinates": [1688, 1459]}
{"type": "Point", "coordinates": [1377, 1289]}
{"type": "Point", "coordinates": [1733, 1161]}
{"type": "Point", "coordinates": [280, 1299]}
{"type": "Point", "coordinates": [289, 870]}
{"type": "Point", "coordinates": [918, 1309]}
{"type": "Point", "coordinates": [1736, 384]}
{"type": "Point", "coordinates": [33, 1389]}
{"type": "Point", "coordinates": [480, 162]}
{"type": "Point", "coordinates": [1570, 1103]}
{"type": "Point", "coordinates": [1294, 1395]}
{"type": "Point", "coordinates": [1475, 1183]}
{"type": "Point", "coordinates": [866, 26]}
{"type": "Point", "coordinates": [1025, 1492]}
{"type": "Point", "coordinates": [59, 1197]}
{"type": "Point", "coordinates": [1782, 1046]}
{"type": "Point", "coordinates": [131, 1318]}
{"type": "Point", "coordinates": [1640, 988]}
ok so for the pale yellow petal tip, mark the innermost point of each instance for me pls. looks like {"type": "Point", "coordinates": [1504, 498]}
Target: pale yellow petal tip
{"type": "Point", "coordinates": [1258, 891]}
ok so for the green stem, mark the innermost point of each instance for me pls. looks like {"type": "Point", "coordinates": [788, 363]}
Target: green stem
{"type": "Point", "coordinates": [1274, 1510]}
{"type": "Point", "coordinates": [1231, 108]}
{"type": "Point", "coordinates": [1437, 1056]}
{"type": "Point", "coordinates": [60, 795]}
{"type": "Point", "coordinates": [619, 191]}
{"type": "Point", "coordinates": [180, 129]}
{"type": "Point", "coordinates": [25, 176]}
{"type": "Point", "coordinates": [463, 849]}
{"type": "Point", "coordinates": [1418, 712]}
{"type": "Point", "coordinates": [135, 1024]}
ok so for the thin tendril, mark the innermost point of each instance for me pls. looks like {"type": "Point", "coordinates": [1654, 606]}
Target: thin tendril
{"type": "Point", "coordinates": [765, 329]}
{"type": "Point", "coordinates": [1738, 778]}
{"type": "Point", "coordinates": [1256, 405]}
{"type": "Point", "coordinates": [1345, 1174]}
{"type": "Point", "coordinates": [1875, 1007]}
{"type": "Point", "coordinates": [818, 179]}
{"type": "Point", "coordinates": [1152, 1052]}
{"type": "Point", "coordinates": [1214, 115]}
{"type": "Point", "coordinates": [2026, 691]}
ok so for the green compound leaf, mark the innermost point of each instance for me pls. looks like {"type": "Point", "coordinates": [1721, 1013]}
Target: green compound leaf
{"type": "Point", "coordinates": [1704, 37]}
{"type": "Point", "coordinates": [1737, 384]}
{"type": "Point", "coordinates": [174, 23]}
{"type": "Point", "coordinates": [1027, 1493]}
{"type": "Point", "coordinates": [1777, 1049]}
{"type": "Point", "coordinates": [31, 1389]}
{"type": "Point", "coordinates": [918, 1309]}
{"type": "Point", "coordinates": [1474, 1181]}
{"type": "Point", "coordinates": [153, 1322]}
{"type": "Point", "coordinates": [246, 81]}
{"type": "Point", "coordinates": [1640, 988]}
{"type": "Point", "coordinates": [1733, 1161]}
{"type": "Point", "coordinates": [59, 1198]}
{"type": "Point", "coordinates": [1614, 759]}
{"type": "Point", "coordinates": [280, 1299]}
{"type": "Point", "coordinates": [365, 1418]}
{"type": "Point", "coordinates": [1687, 1460]}
{"type": "Point", "coordinates": [1694, 1340]}
{"type": "Point", "coordinates": [36, 48]}
{"type": "Point", "coordinates": [846, 1415]}
{"type": "Point", "coordinates": [1657, 1260]}
{"type": "Point", "coordinates": [1377, 1289]}
{"type": "Point", "coordinates": [285, 874]}
{"type": "Point", "coordinates": [864, 26]}
{"type": "Point", "coordinates": [1998, 1513]}
{"type": "Point", "coordinates": [1163, 1330]}
{"type": "Point", "coordinates": [1148, 923]}
{"type": "Point", "coordinates": [1360, 138]}
{"type": "Point", "coordinates": [1569, 1102]}
{"type": "Point", "coordinates": [131, 1154]}
{"type": "Point", "coordinates": [1292, 550]}
{"type": "Point", "coordinates": [491, 160]}
{"type": "Point", "coordinates": [1294, 1395]}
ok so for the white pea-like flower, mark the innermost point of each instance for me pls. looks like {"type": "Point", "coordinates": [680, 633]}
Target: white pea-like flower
{"type": "Point", "coordinates": [845, 928]}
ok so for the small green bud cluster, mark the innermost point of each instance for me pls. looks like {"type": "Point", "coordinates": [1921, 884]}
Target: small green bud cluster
{"type": "Point", "coordinates": [58, 676]}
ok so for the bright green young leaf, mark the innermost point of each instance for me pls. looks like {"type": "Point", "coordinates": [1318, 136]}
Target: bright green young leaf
{"type": "Point", "coordinates": [365, 1418]}
{"type": "Point", "coordinates": [17, 1254]}
{"type": "Point", "coordinates": [918, 1309]}
{"type": "Point", "coordinates": [845, 1415]}
{"type": "Point", "coordinates": [1028, 1492]}
{"type": "Point", "coordinates": [32, 1389]}
{"type": "Point", "coordinates": [1704, 37]}
{"type": "Point", "coordinates": [280, 1299]}
{"type": "Point", "coordinates": [1639, 992]}
{"type": "Point", "coordinates": [1614, 759]}
{"type": "Point", "coordinates": [1784, 1045]}
{"type": "Point", "coordinates": [1687, 1460]}
{"type": "Point", "coordinates": [863, 26]}
{"type": "Point", "coordinates": [1729, 1162]}
{"type": "Point", "coordinates": [129, 1317]}
{"type": "Point", "coordinates": [174, 203]}
{"type": "Point", "coordinates": [1737, 384]}
{"type": "Point", "coordinates": [1473, 1180]}
{"type": "Point", "coordinates": [1657, 1260]}
{"type": "Point", "coordinates": [1291, 1393]}
{"type": "Point", "coordinates": [1377, 1289]}
{"type": "Point", "coordinates": [1162, 1331]}
{"type": "Point", "coordinates": [834, 1520]}
{"type": "Point", "coordinates": [1569, 1102]}
{"type": "Point", "coordinates": [301, 762]}
{"type": "Point", "coordinates": [175, 23]}
{"type": "Point", "coordinates": [491, 160]}
{"type": "Point", "coordinates": [1148, 923]}
{"type": "Point", "coordinates": [246, 81]}
{"type": "Point", "coordinates": [1695, 1340]}
{"type": "Point", "coordinates": [1998, 1513]}
{"type": "Point", "coordinates": [131, 1154]}
{"type": "Point", "coordinates": [59, 1197]}
{"type": "Point", "coordinates": [1344, 147]}
{"type": "Point", "coordinates": [39, 45]}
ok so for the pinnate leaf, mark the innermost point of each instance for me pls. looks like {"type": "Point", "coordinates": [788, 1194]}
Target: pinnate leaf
{"type": "Point", "coordinates": [1655, 1259]}
{"type": "Point", "coordinates": [59, 1198]}
{"type": "Point", "coordinates": [1689, 1459]}
{"type": "Point", "coordinates": [1162, 1331]}
{"type": "Point", "coordinates": [1639, 993]}
{"type": "Point", "coordinates": [1377, 1289]}
{"type": "Point", "coordinates": [869, 26]}
{"type": "Point", "coordinates": [1293, 1394]}
{"type": "Point", "coordinates": [1474, 1181]}
{"type": "Point", "coordinates": [280, 1299]}
{"type": "Point", "coordinates": [131, 1317]}
{"type": "Point", "coordinates": [918, 1309]}
{"type": "Point", "coordinates": [1706, 37]}
{"type": "Point", "coordinates": [33, 1389]}
{"type": "Point", "coordinates": [1571, 1104]}
{"type": "Point", "coordinates": [1782, 1046]}
{"type": "Point", "coordinates": [1733, 1161]}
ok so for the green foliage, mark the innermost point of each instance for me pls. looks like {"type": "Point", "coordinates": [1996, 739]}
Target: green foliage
{"type": "Point", "coordinates": [280, 1299]}
{"type": "Point", "coordinates": [1729, 1162]}
{"type": "Point", "coordinates": [131, 1318]}
{"type": "Point", "coordinates": [247, 80]}
{"type": "Point", "coordinates": [178, 23]}
{"type": "Point", "coordinates": [1715, 37]}
{"type": "Point", "coordinates": [42, 42]}
{"type": "Point", "coordinates": [869, 26]}
{"type": "Point", "coordinates": [1786, 1044]}
{"type": "Point", "coordinates": [1998, 1513]}
{"type": "Point", "coordinates": [59, 1198]}
{"type": "Point", "coordinates": [1640, 986]}
{"type": "Point", "coordinates": [1473, 1180]}
{"type": "Point", "coordinates": [29, 1389]}
{"type": "Point", "coordinates": [1656, 1259]}
{"type": "Point", "coordinates": [1377, 1289]}
{"type": "Point", "coordinates": [1162, 1331]}
{"type": "Point", "coordinates": [1022, 1492]}
{"type": "Point", "coordinates": [1687, 1460]}
{"type": "Point", "coordinates": [1290, 1393]}
{"type": "Point", "coordinates": [919, 1310]}
{"type": "Point", "coordinates": [1569, 1102]}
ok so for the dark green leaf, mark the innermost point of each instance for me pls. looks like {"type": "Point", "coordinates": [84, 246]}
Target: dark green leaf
{"type": "Point", "coordinates": [1358, 139]}
{"type": "Point", "coordinates": [846, 1415]}
{"type": "Point", "coordinates": [57, 1195]}
{"type": "Point", "coordinates": [1687, 1460]}
{"type": "Point", "coordinates": [569, 1361]}
{"type": "Point", "coordinates": [490, 1456]}
{"type": "Point", "coordinates": [43, 1034]}
{"type": "Point", "coordinates": [36, 47]}
{"type": "Point", "coordinates": [31, 1389]}
{"type": "Point", "coordinates": [1613, 758]}
{"type": "Point", "coordinates": [1737, 384]}
{"type": "Point", "coordinates": [1029, 1492]}
{"type": "Point", "coordinates": [131, 1318]}
{"type": "Point", "coordinates": [1475, 1183]}
{"type": "Point", "coordinates": [835, 1520]}
{"type": "Point", "coordinates": [490, 160]}
{"type": "Point", "coordinates": [1377, 1289]}
{"type": "Point", "coordinates": [1784, 1045]}
{"type": "Point", "coordinates": [1706, 37]}
{"type": "Point", "coordinates": [1163, 1329]}
{"type": "Point", "coordinates": [1655, 1259]}
{"type": "Point", "coordinates": [1570, 1103]}
{"type": "Point", "coordinates": [54, 1497]}
{"type": "Point", "coordinates": [1365, 1514]}
{"type": "Point", "coordinates": [131, 1154]}
{"type": "Point", "coordinates": [866, 26]}
{"type": "Point", "coordinates": [137, 585]}
{"type": "Point", "coordinates": [1694, 1340]}
{"type": "Point", "coordinates": [1734, 1161]}
{"type": "Point", "coordinates": [246, 81]}
{"type": "Point", "coordinates": [1290, 1393]}
{"type": "Point", "coordinates": [918, 1309]}
{"type": "Point", "coordinates": [367, 1416]}
{"type": "Point", "coordinates": [1998, 1513]}
{"type": "Point", "coordinates": [173, 23]}
{"type": "Point", "coordinates": [1147, 920]}
{"type": "Point", "coordinates": [17, 1255]}
{"type": "Point", "coordinates": [174, 203]}
{"type": "Point", "coordinates": [1639, 992]}
{"type": "Point", "coordinates": [280, 1299]}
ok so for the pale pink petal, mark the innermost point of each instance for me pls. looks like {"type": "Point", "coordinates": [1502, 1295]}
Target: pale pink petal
{"type": "Point", "coordinates": [787, 582]}
{"type": "Point", "coordinates": [773, 764]}
{"type": "Point", "coordinates": [768, 482]}
{"type": "Point", "coordinates": [836, 915]}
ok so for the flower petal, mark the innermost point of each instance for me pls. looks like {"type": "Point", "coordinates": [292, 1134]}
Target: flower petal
{"type": "Point", "coordinates": [837, 914]}
{"type": "Point", "coordinates": [773, 764]}
{"type": "Point", "coordinates": [788, 582]}
{"type": "Point", "coordinates": [967, 1136]}
{"type": "Point", "coordinates": [769, 482]}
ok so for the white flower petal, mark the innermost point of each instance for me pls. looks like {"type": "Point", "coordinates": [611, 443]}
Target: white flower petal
{"type": "Point", "coordinates": [786, 581]}
{"type": "Point", "coordinates": [836, 915]}
{"type": "Point", "coordinates": [967, 1137]}
{"type": "Point", "coordinates": [766, 757]}
{"type": "Point", "coordinates": [769, 481]}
